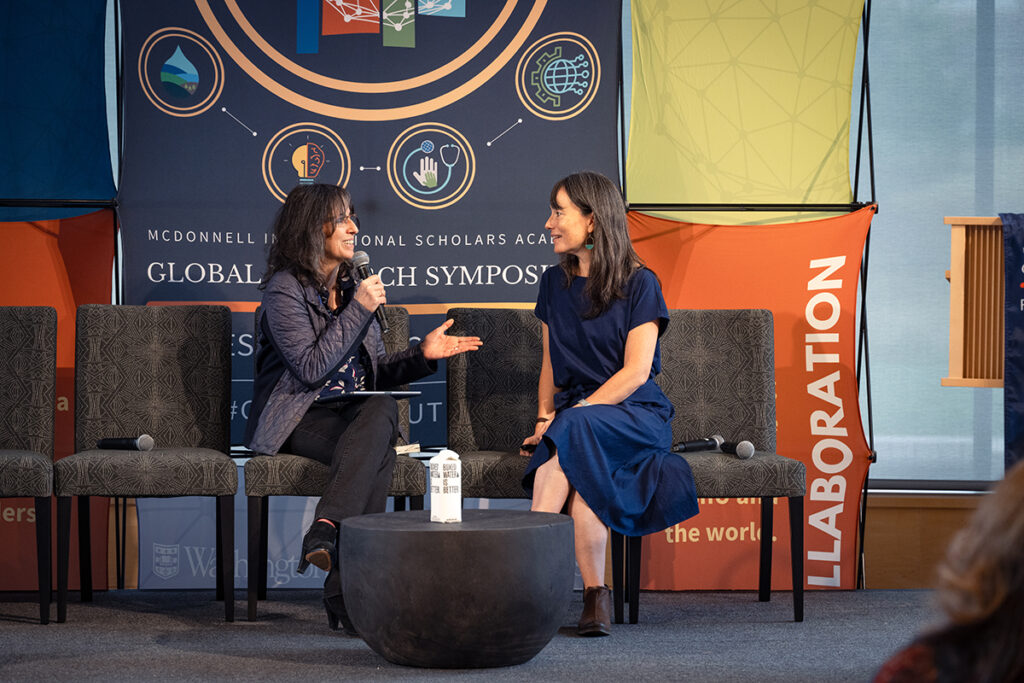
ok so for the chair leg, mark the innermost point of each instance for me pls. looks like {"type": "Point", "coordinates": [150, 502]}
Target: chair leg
{"type": "Point", "coordinates": [264, 552]}
{"type": "Point", "coordinates": [618, 571]}
{"type": "Point", "coordinates": [84, 549]}
{"type": "Point", "coordinates": [633, 549]}
{"type": "Point", "coordinates": [796, 542]}
{"type": "Point", "coordinates": [226, 566]}
{"type": "Point", "coordinates": [255, 503]}
{"type": "Point", "coordinates": [218, 546]}
{"type": "Point", "coordinates": [63, 550]}
{"type": "Point", "coordinates": [120, 538]}
{"type": "Point", "coordinates": [43, 556]}
{"type": "Point", "coordinates": [764, 582]}
{"type": "Point", "coordinates": [415, 502]}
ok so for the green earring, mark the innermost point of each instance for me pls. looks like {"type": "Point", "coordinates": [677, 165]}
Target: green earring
{"type": "Point", "coordinates": [589, 244]}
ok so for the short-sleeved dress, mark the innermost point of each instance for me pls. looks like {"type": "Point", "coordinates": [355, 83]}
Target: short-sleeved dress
{"type": "Point", "coordinates": [618, 457]}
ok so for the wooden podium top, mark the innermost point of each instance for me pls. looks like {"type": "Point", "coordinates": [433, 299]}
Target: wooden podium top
{"type": "Point", "coordinates": [972, 220]}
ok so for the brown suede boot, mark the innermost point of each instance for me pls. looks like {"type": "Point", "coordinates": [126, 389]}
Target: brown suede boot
{"type": "Point", "coordinates": [597, 612]}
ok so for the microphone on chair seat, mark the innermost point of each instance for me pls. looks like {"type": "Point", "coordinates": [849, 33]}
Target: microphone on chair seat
{"type": "Point", "coordinates": [696, 445]}
{"type": "Point", "coordinates": [143, 442]}
{"type": "Point", "coordinates": [742, 449]}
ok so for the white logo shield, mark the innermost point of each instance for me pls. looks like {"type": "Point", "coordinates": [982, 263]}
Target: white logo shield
{"type": "Point", "coordinates": [165, 560]}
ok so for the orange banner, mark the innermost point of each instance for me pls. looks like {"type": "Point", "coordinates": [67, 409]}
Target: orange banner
{"type": "Point", "coordinates": [58, 263]}
{"type": "Point", "coordinates": [807, 275]}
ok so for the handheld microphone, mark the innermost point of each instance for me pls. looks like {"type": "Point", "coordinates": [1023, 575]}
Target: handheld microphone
{"type": "Point", "coordinates": [142, 443]}
{"type": "Point", "coordinates": [742, 450]}
{"type": "Point", "coordinates": [696, 445]}
{"type": "Point", "coordinates": [361, 261]}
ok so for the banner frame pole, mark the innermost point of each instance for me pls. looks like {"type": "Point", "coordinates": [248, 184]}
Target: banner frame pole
{"type": "Point", "coordinates": [622, 110]}
{"type": "Point", "coordinates": [657, 206]}
{"type": "Point", "coordinates": [862, 340]}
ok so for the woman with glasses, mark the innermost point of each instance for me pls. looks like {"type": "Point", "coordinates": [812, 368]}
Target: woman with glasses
{"type": "Point", "coordinates": [318, 340]}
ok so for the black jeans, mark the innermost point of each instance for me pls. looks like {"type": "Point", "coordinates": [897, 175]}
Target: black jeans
{"type": "Point", "coordinates": [356, 440]}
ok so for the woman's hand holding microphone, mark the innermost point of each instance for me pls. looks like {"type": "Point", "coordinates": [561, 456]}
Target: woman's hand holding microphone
{"type": "Point", "coordinates": [371, 294]}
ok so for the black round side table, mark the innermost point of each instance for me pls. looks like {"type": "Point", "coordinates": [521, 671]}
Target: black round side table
{"type": "Point", "coordinates": [489, 591]}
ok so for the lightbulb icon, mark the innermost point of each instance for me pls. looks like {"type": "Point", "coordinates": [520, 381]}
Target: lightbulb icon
{"type": "Point", "coordinates": [307, 160]}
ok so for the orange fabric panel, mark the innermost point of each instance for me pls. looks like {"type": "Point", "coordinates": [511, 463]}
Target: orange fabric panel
{"type": "Point", "coordinates": [807, 275]}
{"type": "Point", "coordinates": [58, 263]}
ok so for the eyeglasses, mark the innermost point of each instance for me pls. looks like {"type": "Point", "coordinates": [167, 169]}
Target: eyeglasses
{"type": "Point", "coordinates": [340, 220]}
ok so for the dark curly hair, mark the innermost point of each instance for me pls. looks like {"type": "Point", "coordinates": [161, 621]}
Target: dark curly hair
{"type": "Point", "coordinates": [299, 237]}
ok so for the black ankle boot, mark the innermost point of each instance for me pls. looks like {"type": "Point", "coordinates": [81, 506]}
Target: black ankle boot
{"type": "Point", "coordinates": [336, 612]}
{"type": "Point", "coordinates": [318, 546]}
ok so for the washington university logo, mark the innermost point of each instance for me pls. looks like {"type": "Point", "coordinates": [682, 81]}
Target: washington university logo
{"type": "Point", "coordinates": [165, 560]}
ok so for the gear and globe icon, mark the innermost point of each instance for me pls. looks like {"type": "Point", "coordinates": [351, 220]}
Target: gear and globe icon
{"type": "Point", "coordinates": [558, 76]}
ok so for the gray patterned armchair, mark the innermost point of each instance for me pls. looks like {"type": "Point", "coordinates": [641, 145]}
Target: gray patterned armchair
{"type": "Point", "coordinates": [28, 374]}
{"type": "Point", "coordinates": [284, 474]}
{"type": "Point", "coordinates": [158, 370]}
{"type": "Point", "coordinates": [718, 371]}
{"type": "Point", "coordinates": [492, 398]}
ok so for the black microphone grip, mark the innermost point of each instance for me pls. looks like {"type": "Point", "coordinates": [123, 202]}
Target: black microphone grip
{"type": "Point", "coordinates": [695, 445]}
{"type": "Point", "coordinates": [362, 263]}
{"type": "Point", "coordinates": [140, 443]}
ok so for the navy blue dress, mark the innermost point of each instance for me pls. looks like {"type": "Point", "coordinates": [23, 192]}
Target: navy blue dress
{"type": "Point", "coordinates": [618, 457]}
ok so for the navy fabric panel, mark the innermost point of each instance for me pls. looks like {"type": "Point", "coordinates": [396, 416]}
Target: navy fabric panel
{"type": "Point", "coordinates": [1013, 372]}
{"type": "Point", "coordinates": [211, 149]}
{"type": "Point", "coordinates": [53, 125]}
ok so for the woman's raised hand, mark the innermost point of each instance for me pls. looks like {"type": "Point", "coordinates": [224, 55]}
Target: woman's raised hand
{"type": "Point", "coordinates": [438, 345]}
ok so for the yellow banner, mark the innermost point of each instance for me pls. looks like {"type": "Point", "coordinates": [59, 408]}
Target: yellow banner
{"type": "Point", "coordinates": [741, 102]}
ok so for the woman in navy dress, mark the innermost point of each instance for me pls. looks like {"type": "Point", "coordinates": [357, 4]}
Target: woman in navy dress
{"type": "Point", "coordinates": [603, 438]}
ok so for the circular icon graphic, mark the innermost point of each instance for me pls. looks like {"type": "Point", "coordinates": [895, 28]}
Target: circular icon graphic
{"type": "Point", "coordinates": [431, 165]}
{"type": "Point", "coordinates": [304, 153]}
{"type": "Point", "coordinates": [558, 76]}
{"type": "Point", "coordinates": [316, 92]}
{"type": "Point", "coordinates": [180, 71]}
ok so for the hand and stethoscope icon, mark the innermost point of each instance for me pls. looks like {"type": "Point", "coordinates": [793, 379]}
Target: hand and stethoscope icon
{"type": "Point", "coordinates": [426, 177]}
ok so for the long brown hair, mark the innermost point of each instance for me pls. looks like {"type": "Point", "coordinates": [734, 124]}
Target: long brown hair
{"type": "Point", "coordinates": [299, 237]}
{"type": "Point", "coordinates": [613, 259]}
{"type": "Point", "coordinates": [981, 589]}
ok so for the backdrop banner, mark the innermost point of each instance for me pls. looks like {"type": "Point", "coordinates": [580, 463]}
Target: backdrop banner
{"type": "Point", "coordinates": [742, 102]}
{"type": "Point", "coordinates": [448, 125]}
{"type": "Point", "coordinates": [61, 264]}
{"type": "Point", "coordinates": [1013, 315]}
{"type": "Point", "coordinates": [807, 275]}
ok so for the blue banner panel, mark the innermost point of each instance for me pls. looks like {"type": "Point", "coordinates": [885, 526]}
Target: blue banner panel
{"type": "Point", "coordinates": [53, 125]}
{"type": "Point", "coordinates": [177, 538]}
{"type": "Point", "coordinates": [449, 144]}
{"type": "Point", "coordinates": [1013, 365]}
{"type": "Point", "coordinates": [177, 542]}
